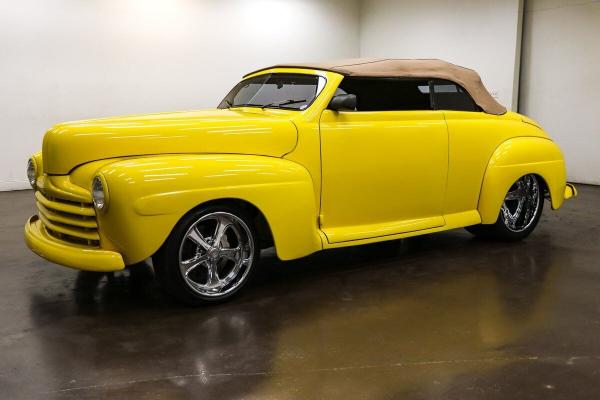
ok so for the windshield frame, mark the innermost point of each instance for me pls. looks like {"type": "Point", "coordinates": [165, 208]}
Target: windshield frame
{"type": "Point", "coordinates": [226, 102]}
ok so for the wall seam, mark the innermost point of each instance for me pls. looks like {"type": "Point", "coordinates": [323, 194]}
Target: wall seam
{"type": "Point", "coordinates": [517, 77]}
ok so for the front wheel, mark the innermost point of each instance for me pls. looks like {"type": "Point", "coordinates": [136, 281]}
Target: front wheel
{"type": "Point", "coordinates": [520, 212]}
{"type": "Point", "coordinates": [208, 257]}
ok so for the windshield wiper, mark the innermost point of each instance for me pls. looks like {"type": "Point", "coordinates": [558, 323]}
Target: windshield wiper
{"type": "Point", "coordinates": [284, 103]}
{"type": "Point", "coordinates": [245, 105]}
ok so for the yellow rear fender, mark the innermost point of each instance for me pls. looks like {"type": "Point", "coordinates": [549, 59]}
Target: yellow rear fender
{"type": "Point", "coordinates": [149, 195]}
{"type": "Point", "coordinates": [517, 157]}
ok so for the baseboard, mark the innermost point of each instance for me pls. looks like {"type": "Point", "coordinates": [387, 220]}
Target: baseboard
{"type": "Point", "coordinates": [13, 185]}
{"type": "Point", "coordinates": [576, 183]}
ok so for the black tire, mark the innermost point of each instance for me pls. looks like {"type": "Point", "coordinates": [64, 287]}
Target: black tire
{"type": "Point", "coordinates": [501, 229]}
{"type": "Point", "coordinates": [169, 270]}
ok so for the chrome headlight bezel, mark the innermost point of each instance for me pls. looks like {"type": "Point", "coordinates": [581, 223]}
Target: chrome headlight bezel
{"type": "Point", "coordinates": [99, 193]}
{"type": "Point", "coordinates": [32, 172]}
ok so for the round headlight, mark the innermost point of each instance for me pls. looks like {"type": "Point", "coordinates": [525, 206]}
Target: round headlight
{"type": "Point", "coordinates": [99, 195]}
{"type": "Point", "coordinates": [31, 172]}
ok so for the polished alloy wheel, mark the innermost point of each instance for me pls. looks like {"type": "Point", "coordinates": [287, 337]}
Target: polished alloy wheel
{"type": "Point", "coordinates": [216, 254]}
{"type": "Point", "coordinates": [521, 204]}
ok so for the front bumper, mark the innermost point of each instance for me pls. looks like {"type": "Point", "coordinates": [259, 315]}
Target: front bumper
{"type": "Point", "coordinates": [67, 254]}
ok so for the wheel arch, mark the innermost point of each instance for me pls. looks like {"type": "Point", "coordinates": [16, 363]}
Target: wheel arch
{"type": "Point", "coordinates": [515, 158]}
{"type": "Point", "coordinates": [150, 195]}
{"type": "Point", "coordinates": [258, 219]}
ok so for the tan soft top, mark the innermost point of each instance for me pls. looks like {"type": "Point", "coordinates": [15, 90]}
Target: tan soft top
{"type": "Point", "coordinates": [465, 77]}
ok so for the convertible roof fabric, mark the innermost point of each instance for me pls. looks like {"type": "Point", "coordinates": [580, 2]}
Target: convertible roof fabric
{"type": "Point", "coordinates": [423, 68]}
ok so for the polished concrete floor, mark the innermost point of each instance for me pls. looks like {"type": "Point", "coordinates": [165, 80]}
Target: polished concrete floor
{"type": "Point", "coordinates": [442, 316]}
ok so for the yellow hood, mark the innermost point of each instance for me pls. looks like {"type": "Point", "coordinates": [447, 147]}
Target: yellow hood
{"type": "Point", "coordinates": [239, 131]}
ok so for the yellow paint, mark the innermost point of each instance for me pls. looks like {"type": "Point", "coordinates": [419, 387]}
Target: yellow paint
{"type": "Point", "coordinates": [69, 254]}
{"type": "Point", "coordinates": [151, 194]}
{"type": "Point", "coordinates": [570, 191]}
{"type": "Point", "coordinates": [322, 179]}
{"type": "Point", "coordinates": [209, 131]}
{"type": "Point", "coordinates": [64, 207]}
{"type": "Point", "coordinates": [380, 187]}
{"type": "Point", "coordinates": [517, 157]}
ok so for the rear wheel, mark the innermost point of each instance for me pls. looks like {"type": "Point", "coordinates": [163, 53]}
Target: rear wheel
{"type": "Point", "coordinates": [208, 257]}
{"type": "Point", "coordinates": [520, 212]}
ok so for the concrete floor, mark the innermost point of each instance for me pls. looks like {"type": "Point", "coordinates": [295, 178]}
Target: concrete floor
{"type": "Point", "coordinates": [442, 316]}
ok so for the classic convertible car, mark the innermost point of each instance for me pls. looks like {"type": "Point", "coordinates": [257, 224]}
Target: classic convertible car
{"type": "Point", "coordinates": [302, 157]}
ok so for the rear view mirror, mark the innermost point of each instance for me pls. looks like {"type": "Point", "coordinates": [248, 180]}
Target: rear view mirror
{"type": "Point", "coordinates": [343, 102]}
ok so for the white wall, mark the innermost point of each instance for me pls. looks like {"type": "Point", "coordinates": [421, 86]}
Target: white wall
{"type": "Point", "coordinates": [479, 34]}
{"type": "Point", "coordinates": [560, 83]}
{"type": "Point", "coordinates": [67, 59]}
{"type": "Point", "coordinates": [70, 59]}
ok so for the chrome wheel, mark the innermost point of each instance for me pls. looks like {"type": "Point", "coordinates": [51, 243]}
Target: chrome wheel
{"type": "Point", "coordinates": [521, 204]}
{"type": "Point", "coordinates": [216, 254]}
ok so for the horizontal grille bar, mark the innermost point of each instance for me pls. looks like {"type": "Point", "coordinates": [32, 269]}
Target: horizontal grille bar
{"type": "Point", "coordinates": [70, 208]}
{"type": "Point", "coordinates": [68, 230]}
{"type": "Point", "coordinates": [68, 219]}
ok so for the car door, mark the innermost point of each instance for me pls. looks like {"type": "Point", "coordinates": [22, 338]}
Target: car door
{"type": "Point", "coordinates": [384, 165]}
{"type": "Point", "coordinates": [473, 137]}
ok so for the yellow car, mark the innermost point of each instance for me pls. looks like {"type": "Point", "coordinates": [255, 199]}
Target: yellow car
{"type": "Point", "coordinates": [302, 157]}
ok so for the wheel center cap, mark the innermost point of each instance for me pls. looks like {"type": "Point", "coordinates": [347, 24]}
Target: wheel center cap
{"type": "Point", "coordinates": [213, 253]}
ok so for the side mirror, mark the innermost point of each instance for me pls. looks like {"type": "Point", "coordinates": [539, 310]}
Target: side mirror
{"type": "Point", "coordinates": [343, 102]}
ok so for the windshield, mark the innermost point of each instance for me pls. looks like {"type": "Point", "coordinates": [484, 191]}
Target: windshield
{"type": "Point", "coordinates": [288, 91]}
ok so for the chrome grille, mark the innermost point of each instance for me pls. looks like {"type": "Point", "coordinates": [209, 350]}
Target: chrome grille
{"type": "Point", "coordinates": [68, 220]}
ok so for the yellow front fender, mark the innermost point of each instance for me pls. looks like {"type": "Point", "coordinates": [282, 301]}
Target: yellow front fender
{"type": "Point", "coordinates": [517, 157]}
{"type": "Point", "coordinates": [149, 195]}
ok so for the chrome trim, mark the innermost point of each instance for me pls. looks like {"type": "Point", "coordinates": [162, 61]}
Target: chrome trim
{"type": "Point", "coordinates": [99, 185]}
{"type": "Point", "coordinates": [32, 172]}
{"type": "Point", "coordinates": [521, 204]}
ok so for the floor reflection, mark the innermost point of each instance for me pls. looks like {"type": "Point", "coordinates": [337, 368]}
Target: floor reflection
{"type": "Point", "coordinates": [95, 292]}
{"type": "Point", "coordinates": [357, 316]}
